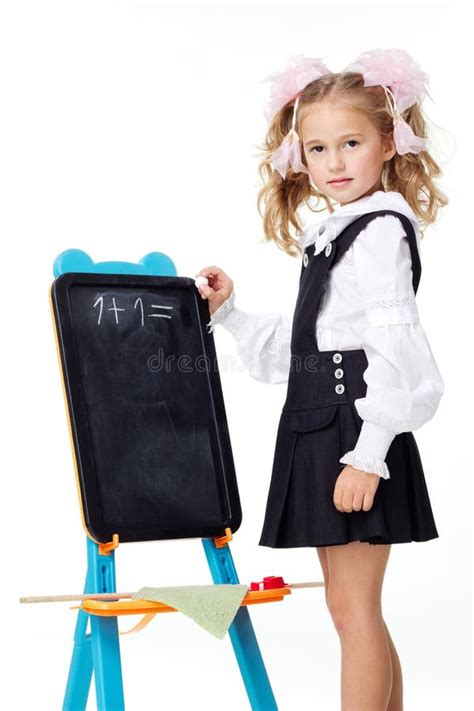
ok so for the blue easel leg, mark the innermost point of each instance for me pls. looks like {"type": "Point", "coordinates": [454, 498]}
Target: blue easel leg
{"type": "Point", "coordinates": [99, 651]}
{"type": "Point", "coordinates": [241, 632]}
{"type": "Point", "coordinates": [107, 666]}
{"type": "Point", "coordinates": [80, 670]}
{"type": "Point", "coordinates": [104, 635]}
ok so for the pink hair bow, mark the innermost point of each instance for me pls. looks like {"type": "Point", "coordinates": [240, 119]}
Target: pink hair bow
{"type": "Point", "coordinates": [289, 151]}
{"type": "Point", "coordinates": [404, 84]}
{"type": "Point", "coordinates": [286, 85]}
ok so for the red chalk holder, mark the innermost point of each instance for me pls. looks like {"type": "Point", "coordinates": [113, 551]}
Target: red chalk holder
{"type": "Point", "coordinates": [271, 582]}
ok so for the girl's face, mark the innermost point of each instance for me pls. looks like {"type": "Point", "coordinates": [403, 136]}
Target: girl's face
{"type": "Point", "coordinates": [342, 143]}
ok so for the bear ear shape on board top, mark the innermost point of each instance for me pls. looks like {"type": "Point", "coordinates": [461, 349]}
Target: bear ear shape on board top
{"type": "Point", "coordinates": [72, 260]}
{"type": "Point", "coordinates": [158, 263]}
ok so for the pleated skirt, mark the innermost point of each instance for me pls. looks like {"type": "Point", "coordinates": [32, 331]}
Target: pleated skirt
{"type": "Point", "coordinates": [300, 510]}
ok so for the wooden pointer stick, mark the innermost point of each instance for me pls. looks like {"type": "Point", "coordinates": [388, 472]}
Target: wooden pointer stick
{"type": "Point", "coordinates": [117, 596]}
{"type": "Point", "coordinates": [72, 598]}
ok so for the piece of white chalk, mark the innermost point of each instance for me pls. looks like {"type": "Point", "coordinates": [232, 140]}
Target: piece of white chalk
{"type": "Point", "coordinates": [200, 280]}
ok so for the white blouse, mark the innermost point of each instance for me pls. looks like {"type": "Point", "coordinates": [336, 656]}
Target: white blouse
{"type": "Point", "coordinates": [368, 303]}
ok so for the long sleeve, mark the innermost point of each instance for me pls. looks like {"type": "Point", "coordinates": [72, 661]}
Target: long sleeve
{"type": "Point", "coordinates": [404, 385]}
{"type": "Point", "coordinates": [263, 340]}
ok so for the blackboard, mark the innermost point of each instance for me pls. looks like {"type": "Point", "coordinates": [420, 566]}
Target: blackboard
{"type": "Point", "coordinates": [148, 423]}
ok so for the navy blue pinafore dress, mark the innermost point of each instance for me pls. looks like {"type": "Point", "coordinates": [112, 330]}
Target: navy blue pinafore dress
{"type": "Point", "coordinates": [319, 423]}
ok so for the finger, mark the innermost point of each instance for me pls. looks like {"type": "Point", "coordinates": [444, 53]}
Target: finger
{"type": "Point", "coordinates": [201, 291]}
{"type": "Point", "coordinates": [214, 276]}
{"type": "Point", "coordinates": [358, 501]}
{"type": "Point", "coordinates": [218, 285]}
{"type": "Point", "coordinates": [202, 286]}
{"type": "Point", "coordinates": [337, 497]}
{"type": "Point", "coordinates": [205, 290]}
{"type": "Point", "coordinates": [211, 271]}
{"type": "Point", "coordinates": [347, 501]}
{"type": "Point", "coordinates": [201, 280]}
{"type": "Point", "coordinates": [368, 502]}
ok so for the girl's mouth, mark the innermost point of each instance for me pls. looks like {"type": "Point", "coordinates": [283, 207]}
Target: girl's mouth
{"type": "Point", "coordinates": [340, 182]}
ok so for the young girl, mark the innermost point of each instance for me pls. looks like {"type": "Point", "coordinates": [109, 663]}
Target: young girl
{"type": "Point", "coordinates": [347, 475]}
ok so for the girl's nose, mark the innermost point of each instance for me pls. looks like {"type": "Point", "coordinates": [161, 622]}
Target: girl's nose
{"type": "Point", "coordinates": [335, 161]}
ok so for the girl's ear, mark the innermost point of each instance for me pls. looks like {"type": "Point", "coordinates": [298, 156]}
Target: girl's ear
{"type": "Point", "coordinates": [389, 146]}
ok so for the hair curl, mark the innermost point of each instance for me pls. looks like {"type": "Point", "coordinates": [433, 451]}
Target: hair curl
{"type": "Point", "coordinates": [410, 174]}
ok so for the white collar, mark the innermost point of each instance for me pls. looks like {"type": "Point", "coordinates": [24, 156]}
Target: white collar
{"type": "Point", "coordinates": [321, 233]}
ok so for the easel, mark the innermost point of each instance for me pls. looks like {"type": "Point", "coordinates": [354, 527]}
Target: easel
{"type": "Point", "coordinates": [98, 652]}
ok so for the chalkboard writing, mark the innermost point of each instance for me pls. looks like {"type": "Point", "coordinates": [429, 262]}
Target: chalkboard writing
{"type": "Point", "coordinates": [152, 447]}
{"type": "Point", "coordinates": [99, 303]}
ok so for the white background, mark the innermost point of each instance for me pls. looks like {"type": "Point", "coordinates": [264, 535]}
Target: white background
{"type": "Point", "coordinates": [129, 127]}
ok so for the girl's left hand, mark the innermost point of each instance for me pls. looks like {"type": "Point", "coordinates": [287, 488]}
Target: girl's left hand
{"type": "Point", "coordinates": [355, 490]}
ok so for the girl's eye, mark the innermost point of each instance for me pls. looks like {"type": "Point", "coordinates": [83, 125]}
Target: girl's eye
{"type": "Point", "coordinates": [351, 140]}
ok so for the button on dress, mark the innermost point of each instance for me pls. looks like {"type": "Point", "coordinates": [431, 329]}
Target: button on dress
{"type": "Point", "coordinates": [319, 423]}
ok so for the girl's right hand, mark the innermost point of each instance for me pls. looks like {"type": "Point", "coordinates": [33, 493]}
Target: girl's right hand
{"type": "Point", "coordinates": [219, 288]}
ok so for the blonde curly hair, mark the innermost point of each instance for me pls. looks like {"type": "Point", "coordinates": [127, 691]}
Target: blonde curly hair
{"type": "Point", "coordinates": [410, 174]}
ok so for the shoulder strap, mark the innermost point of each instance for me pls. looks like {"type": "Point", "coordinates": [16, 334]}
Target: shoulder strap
{"type": "Point", "coordinates": [344, 240]}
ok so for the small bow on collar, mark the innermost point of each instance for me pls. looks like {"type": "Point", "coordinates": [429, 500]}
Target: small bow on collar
{"type": "Point", "coordinates": [320, 236]}
{"type": "Point", "coordinates": [322, 240]}
{"type": "Point", "coordinates": [326, 232]}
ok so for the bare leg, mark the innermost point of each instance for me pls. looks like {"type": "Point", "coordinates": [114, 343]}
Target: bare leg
{"type": "Point", "coordinates": [323, 559]}
{"type": "Point", "coordinates": [353, 576]}
{"type": "Point", "coordinates": [396, 697]}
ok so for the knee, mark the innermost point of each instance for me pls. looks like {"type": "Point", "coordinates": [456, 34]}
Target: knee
{"type": "Point", "coordinates": [350, 611]}
{"type": "Point", "coordinates": [339, 610]}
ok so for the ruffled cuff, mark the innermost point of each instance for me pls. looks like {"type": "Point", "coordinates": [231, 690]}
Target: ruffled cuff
{"type": "Point", "coordinates": [230, 317]}
{"type": "Point", "coordinates": [220, 314]}
{"type": "Point", "coordinates": [371, 466]}
{"type": "Point", "coordinates": [371, 449]}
